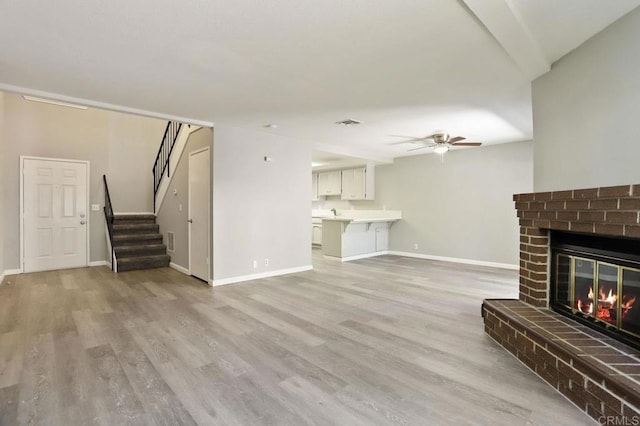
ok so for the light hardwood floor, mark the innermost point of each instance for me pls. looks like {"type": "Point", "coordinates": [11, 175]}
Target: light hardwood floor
{"type": "Point", "coordinates": [389, 340]}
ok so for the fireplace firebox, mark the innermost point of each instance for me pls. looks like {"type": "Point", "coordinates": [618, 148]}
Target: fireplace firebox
{"type": "Point", "coordinates": [596, 280]}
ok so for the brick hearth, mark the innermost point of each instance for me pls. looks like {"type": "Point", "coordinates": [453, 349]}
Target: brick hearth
{"type": "Point", "coordinates": [598, 374]}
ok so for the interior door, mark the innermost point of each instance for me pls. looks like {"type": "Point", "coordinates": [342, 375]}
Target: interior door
{"type": "Point", "coordinates": [54, 226]}
{"type": "Point", "coordinates": [199, 193]}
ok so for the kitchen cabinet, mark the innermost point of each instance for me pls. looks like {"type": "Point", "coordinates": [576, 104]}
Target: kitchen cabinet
{"type": "Point", "coordinates": [330, 183]}
{"type": "Point", "coordinates": [314, 187]}
{"type": "Point", "coordinates": [358, 183]}
{"type": "Point", "coordinates": [382, 238]}
{"type": "Point", "coordinates": [350, 239]}
{"type": "Point", "coordinates": [353, 184]}
{"type": "Point", "coordinates": [316, 232]}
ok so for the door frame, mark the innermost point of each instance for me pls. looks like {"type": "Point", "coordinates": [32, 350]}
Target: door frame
{"type": "Point", "coordinates": [88, 210]}
{"type": "Point", "coordinates": [198, 151]}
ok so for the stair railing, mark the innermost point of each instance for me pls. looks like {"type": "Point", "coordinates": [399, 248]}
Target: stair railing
{"type": "Point", "coordinates": [108, 215]}
{"type": "Point", "coordinates": [164, 153]}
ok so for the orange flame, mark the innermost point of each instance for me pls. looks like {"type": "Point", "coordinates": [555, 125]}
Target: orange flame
{"type": "Point", "coordinates": [610, 298]}
{"type": "Point", "coordinates": [585, 308]}
{"type": "Point", "coordinates": [629, 303]}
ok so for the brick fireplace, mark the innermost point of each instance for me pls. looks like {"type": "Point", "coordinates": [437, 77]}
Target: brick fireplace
{"type": "Point", "coordinates": [609, 211]}
{"type": "Point", "coordinates": [598, 374]}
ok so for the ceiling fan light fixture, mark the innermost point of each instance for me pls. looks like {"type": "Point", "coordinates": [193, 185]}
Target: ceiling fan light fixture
{"type": "Point", "coordinates": [441, 149]}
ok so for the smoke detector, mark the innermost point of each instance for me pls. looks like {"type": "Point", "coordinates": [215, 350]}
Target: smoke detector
{"type": "Point", "coordinates": [348, 122]}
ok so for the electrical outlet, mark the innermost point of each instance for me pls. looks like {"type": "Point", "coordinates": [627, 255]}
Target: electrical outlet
{"type": "Point", "coordinates": [266, 262]}
{"type": "Point", "coordinates": [415, 246]}
{"type": "Point", "coordinates": [255, 264]}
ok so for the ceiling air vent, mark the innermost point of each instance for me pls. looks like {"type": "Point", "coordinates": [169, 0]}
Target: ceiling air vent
{"type": "Point", "coordinates": [348, 122]}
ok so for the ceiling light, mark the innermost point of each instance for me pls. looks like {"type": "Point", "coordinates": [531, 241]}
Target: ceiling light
{"type": "Point", "coordinates": [348, 122]}
{"type": "Point", "coordinates": [52, 102]}
{"type": "Point", "coordinates": [441, 149]}
{"type": "Point", "coordinates": [270, 126]}
{"type": "Point", "coordinates": [316, 164]}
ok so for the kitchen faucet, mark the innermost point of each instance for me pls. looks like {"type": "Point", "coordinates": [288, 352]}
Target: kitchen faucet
{"type": "Point", "coordinates": [334, 212]}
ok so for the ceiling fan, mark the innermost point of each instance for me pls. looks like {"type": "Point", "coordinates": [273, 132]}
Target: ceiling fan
{"type": "Point", "coordinates": [441, 142]}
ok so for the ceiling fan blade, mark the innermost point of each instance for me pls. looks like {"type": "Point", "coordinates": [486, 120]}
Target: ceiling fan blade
{"type": "Point", "coordinates": [420, 147]}
{"type": "Point", "coordinates": [466, 143]}
{"type": "Point", "coordinates": [456, 139]}
{"type": "Point", "coordinates": [404, 136]}
{"type": "Point", "coordinates": [405, 141]}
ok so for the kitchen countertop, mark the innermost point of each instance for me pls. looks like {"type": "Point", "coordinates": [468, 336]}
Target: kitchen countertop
{"type": "Point", "coordinates": [360, 220]}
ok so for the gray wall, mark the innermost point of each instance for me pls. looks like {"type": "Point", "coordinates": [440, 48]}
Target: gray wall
{"type": "Point", "coordinates": [133, 143]}
{"type": "Point", "coordinates": [585, 123]}
{"type": "Point", "coordinates": [170, 217]}
{"type": "Point", "coordinates": [462, 208]}
{"type": "Point", "coordinates": [101, 137]}
{"type": "Point", "coordinates": [260, 209]}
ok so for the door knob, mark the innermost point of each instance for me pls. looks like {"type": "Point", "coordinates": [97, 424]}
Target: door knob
{"type": "Point", "coordinates": [190, 220]}
{"type": "Point", "coordinates": [82, 215]}
{"type": "Point", "coordinates": [82, 222]}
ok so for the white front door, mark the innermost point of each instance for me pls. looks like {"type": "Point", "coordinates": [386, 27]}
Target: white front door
{"type": "Point", "coordinates": [54, 213]}
{"type": "Point", "coordinates": [199, 190]}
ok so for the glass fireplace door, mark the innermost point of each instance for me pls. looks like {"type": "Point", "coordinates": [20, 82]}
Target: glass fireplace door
{"type": "Point", "coordinates": [629, 307]}
{"type": "Point", "coordinates": [583, 285]}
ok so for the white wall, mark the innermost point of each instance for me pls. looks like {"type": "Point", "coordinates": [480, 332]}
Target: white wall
{"type": "Point", "coordinates": [101, 137]}
{"type": "Point", "coordinates": [460, 209]}
{"type": "Point", "coordinates": [2, 206]}
{"type": "Point", "coordinates": [586, 124]}
{"type": "Point", "coordinates": [260, 209]}
{"type": "Point", "coordinates": [170, 217]}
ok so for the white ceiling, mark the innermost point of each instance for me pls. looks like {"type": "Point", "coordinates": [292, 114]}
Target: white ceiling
{"type": "Point", "coordinates": [407, 67]}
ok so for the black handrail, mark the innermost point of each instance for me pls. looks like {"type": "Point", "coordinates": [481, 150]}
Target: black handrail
{"type": "Point", "coordinates": [164, 153]}
{"type": "Point", "coordinates": [108, 213]}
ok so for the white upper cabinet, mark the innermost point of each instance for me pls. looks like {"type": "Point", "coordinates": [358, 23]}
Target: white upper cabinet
{"type": "Point", "coordinates": [358, 183]}
{"type": "Point", "coordinates": [330, 183]}
{"type": "Point", "coordinates": [314, 187]}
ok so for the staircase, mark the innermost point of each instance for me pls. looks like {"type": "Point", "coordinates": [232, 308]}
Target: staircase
{"type": "Point", "coordinates": [137, 242]}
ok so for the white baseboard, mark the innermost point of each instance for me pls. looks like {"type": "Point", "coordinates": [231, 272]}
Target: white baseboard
{"type": "Point", "coordinates": [8, 272]}
{"type": "Point", "coordinates": [241, 278]}
{"type": "Point", "coordinates": [456, 260]}
{"type": "Point", "coordinates": [359, 256]}
{"type": "Point", "coordinates": [179, 268]}
{"type": "Point", "coordinates": [99, 263]}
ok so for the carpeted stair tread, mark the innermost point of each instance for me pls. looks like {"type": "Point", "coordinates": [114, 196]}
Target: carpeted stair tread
{"type": "Point", "coordinates": [140, 250]}
{"type": "Point", "coordinates": [136, 239]}
{"type": "Point", "coordinates": [128, 237]}
{"type": "Point", "coordinates": [143, 262]}
{"type": "Point", "coordinates": [137, 242]}
{"type": "Point", "coordinates": [135, 228]}
{"type": "Point", "coordinates": [134, 218]}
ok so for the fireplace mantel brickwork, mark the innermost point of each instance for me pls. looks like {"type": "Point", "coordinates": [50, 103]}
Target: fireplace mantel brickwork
{"type": "Point", "coordinates": [609, 211]}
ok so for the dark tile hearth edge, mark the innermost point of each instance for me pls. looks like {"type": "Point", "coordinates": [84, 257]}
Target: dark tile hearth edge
{"type": "Point", "coordinates": [598, 374]}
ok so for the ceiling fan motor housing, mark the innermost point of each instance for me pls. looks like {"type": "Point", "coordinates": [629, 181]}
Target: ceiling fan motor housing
{"type": "Point", "coordinates": [441, 137]}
